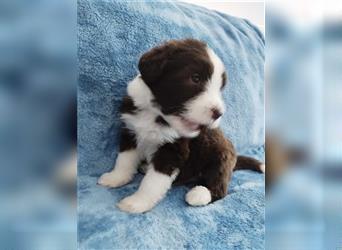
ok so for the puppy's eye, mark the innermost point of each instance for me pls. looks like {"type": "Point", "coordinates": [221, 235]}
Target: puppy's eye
{"type": "Point", "coordinates": [195, 78]}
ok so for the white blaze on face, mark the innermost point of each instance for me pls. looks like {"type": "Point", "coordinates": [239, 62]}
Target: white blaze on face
{"type": "Point", "coordinates": [200, 108]}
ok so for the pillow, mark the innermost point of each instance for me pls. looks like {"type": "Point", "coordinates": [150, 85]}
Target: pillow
{"type": "Point", "coordinates": [112, 35]}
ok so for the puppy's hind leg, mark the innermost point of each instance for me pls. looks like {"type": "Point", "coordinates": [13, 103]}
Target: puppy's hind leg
{"type": "Point", "coordinates": [215, 180]}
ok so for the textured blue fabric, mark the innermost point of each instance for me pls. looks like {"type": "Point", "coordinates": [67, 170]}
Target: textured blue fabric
{"type": "Point", "coordinates": [112, 36]}
{"type": "Point", "coordinates": [235, 222]}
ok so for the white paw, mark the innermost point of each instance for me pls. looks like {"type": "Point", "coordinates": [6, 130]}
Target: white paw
{"type": "Point", "coordinates": [135, 204]}
{"type": "Point", "coordinates": [262, 168]}
{"type": "Point", "coordinates": [113, 179]}
{"type": "Point", "coordinates": [198, 196]}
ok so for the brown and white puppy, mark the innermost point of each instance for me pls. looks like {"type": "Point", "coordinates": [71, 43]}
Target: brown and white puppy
{"type": "Point", "coordinates": [171, 116]}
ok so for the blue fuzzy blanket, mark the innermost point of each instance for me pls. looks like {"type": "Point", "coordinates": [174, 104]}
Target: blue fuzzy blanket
{"type": "Point", "coordinates": [112, 35]}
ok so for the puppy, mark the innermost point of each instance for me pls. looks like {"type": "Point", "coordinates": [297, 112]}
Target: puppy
{"type": "Point", "coordinates": [171, 116]}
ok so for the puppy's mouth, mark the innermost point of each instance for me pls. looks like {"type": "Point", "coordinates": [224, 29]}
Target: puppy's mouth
{"type": "Point", "coordinates": [189, 124]}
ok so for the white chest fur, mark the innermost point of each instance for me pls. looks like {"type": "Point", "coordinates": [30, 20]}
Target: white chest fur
{"type": "Point", "coordinates": [149, 134]}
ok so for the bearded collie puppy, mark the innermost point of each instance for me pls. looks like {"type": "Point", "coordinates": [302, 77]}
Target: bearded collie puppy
{"type": "Point", "coordinates": [170, 116]}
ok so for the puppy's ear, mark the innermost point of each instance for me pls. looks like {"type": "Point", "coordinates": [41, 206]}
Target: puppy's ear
{"type": "Point", "coordinates": [152, 63]}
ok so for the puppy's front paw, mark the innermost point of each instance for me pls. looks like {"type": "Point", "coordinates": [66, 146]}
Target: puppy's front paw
{"type": "Point", "coordinates": [198, 196]}
{"type": "Point", "coordinates": [113, 179]}
{"type": "Point", "coordinates": [135, 204]}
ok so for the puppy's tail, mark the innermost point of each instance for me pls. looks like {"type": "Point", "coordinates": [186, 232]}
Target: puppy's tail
{"type": "Point", "coordinates": [245, 162]}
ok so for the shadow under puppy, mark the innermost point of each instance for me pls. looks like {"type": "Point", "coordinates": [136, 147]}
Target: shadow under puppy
{"type": "Point", "coordinates": [171, 116]}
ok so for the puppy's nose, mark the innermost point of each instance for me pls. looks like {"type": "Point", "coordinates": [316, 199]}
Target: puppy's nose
{"type": "Point", "coordinates": [216, 113]}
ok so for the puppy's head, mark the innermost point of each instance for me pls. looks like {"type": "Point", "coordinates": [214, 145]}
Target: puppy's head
{"type": "Point", "coordinates": [186, 78]}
